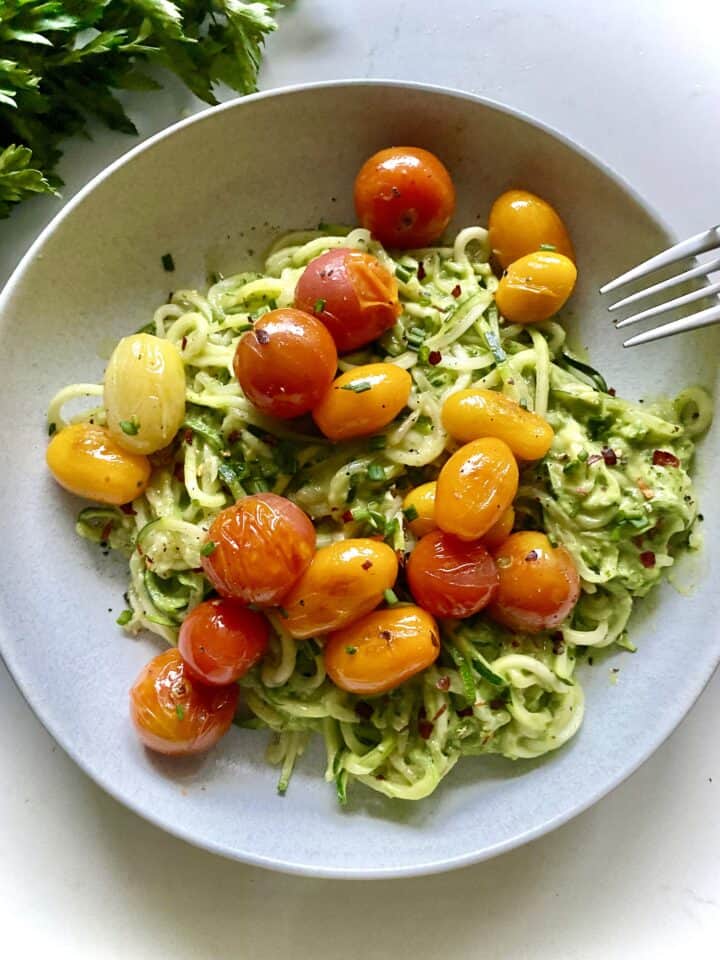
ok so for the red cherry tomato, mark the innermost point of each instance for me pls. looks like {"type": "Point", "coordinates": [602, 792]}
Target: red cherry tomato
{"type": "Point", "coordinates": [175, 714]}
{"type": "Point", "coordinates": [352, 293]}
{"type": "Point", "coordinates": [220, 640]}
{"type": "Point", "coordinates": [260, 547]}
{"type": "Point", "coordinates": [286, 363]}
{"type": "Point", "coordinates": [450, 577]}
{"type": "Point", "coordinates": [404, 196]}
{"type": "Point", "coordinates": [539, 583]}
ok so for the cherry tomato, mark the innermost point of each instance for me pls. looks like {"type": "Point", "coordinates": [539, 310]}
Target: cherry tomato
{"type": "Point", "coordinates": [257, 549]}
{"type": "Point", "coordinates": [382, 650]}
{"type": "Point", "coordinates": [352, 293]}
{"type": "Point", "coordinates": [535, 287]}
{"type": "Point", "coordinates": [470, 414]}
{"type": "Point", "coordinates": [220, 640]}
{"type": "Point", "coordinates": [88, 461]}
{"type": "Point", "coordinates": [499, 531]}
{"type": "Point", "coordinates": [175, 714]}
{"type": "Point", "coordinates": [363, 400]}
{"type": "Point", "coordinates": [520, 223]}
{"type": "Point", "coordinates": [475, 487]}
{"type": "Point", "coordinates": [451, 578]}
{"type": "Point", "coordinates": [286, 363]}
{"type": "Point", "coordinates": [539, 584]}
{"type": "Point", "coordinates": [421, 500]}
{"type": "Point", "coordinates": [404, 196]}
{"type": "Point", "coordinates": [345, 580]}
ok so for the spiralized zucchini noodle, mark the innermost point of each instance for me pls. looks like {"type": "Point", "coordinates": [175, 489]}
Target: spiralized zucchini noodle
{"type": "Point", "coordinates": [622, 516]}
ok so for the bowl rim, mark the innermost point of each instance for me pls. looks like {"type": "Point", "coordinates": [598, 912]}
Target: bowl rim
{"type": "Point", "coordinates": [435, 865]}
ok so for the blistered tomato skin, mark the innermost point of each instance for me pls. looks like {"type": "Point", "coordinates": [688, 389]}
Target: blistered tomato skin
{"type": "Point", "coordinates": [475, 488]}
{"type": "Point", "coordinates": [535, 287]}
{"type": "Point", "coordinates": [382, 650]}
{"type": "Point", "coordinates": [173, 713]}
{"type": "Point", "coordinates": [538, 584]}
{"type": "Point", "coordinates": [421, 500]}
{"type": "Point", "coordinates": [286, 363]}
{"type": "Point", "coordinates": [345, 581]}
{"type": "Point", "coordinates": [449, 577]}
{"type": "Point", "coordinates": [520, 223]}
{"type": "Point", "coordinates": [404, 196]}
{"type": "Point", "coordinates": [258, 549]}
{"type": "Point", "coordinates": [220, 640]}
{"type": "Point", "coordinates": [87, 460]}
{"type": "Point", "coordinates": [474, 413]}
{"type": "Point", "coordinates": [144, 393]}
{"type": "Point", "coordinates": [352, 294]}
{"type": "Point", "coordinates": [363, 400]}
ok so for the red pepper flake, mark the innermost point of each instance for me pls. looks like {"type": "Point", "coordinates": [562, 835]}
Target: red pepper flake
{"type": "Point", "coordinates": [188, 436]}
{"type": "Point", "coordinates": [183, 343]}
{"type": "Point", "coordinates": [434, 358]}
{"type": "Point", "coordinates": [347, 516]}
{"type": "Point", "coordinates": [421, 271]}
{"type": "Point", "coordinates": [647, 559]}
{"type": "Point", "coordinates": [179, 473]}
{"type": "Point", "coordinates": [367, 565]}
{"type": "Point", "coordinates": [425, 729]}
{"type": "Point", "coordinates": [594, 459]}
{"type": "Point", "coordinates": [440, 712]}
{"type": "Point", "coordinates": [609, 456]}
{"type": "Point", "coordinates": [443, 683]}
{"type": "Point", "coordinates": [363, 710]}
{"type": "Point", "coordinates": [558, 644]}
{"type": "Point", "coordinates": [645, 489]}
{"type": "Point", "coordinates": [106, 530]}
{"type": "Point", "coordinates": [401, 559]}
{"type": "Point", "coordinates": [263, 336]}
{"type": "Point", "coordinates": [497, 704]}
{"type": "Point", "coordinates": [233, 436]}
{"type": "Point", "coordinates": [128, 509]}
{"type": "Point", "coordinates": [663, 458]}
{"type": "Point", "coordinates": [456, 290]}
{"type": "Point", "coordinates": [465, 712]}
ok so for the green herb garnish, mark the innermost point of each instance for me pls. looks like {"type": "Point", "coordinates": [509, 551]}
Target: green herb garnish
{"type": "Point", "coordinates": [410, 514]}
{"type": "Point", "coordinates": [208, 548]}
{"type": "Point", "coordinates": [351, 650]}
{"type": "Point", "coordinates": [168, 262]}
{"type": "Point", "coordinates": [375, 472]}
{"type": "Point", "coordinates": [391, 598]}
{"type": "Point", "coordinates": [319, 305]}
{"type": "Point", "coordinates": [180, 711]}
{"type": "Point", "coordinates": [130, 427]}
{"type": "Point", "coordinates": [125, 617]}
{"type": "Point", "coordinates": [358, 386]}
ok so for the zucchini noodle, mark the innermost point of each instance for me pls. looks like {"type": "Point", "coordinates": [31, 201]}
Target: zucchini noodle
{"type": "Point", "coordinates": [599, 492]}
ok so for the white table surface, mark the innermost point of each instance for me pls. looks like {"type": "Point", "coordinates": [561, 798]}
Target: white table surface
{"type": "Point", "coordinates": [637, 876]}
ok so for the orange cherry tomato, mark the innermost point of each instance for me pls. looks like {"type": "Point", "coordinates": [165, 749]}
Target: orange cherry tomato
{"type": "Point", "coordinates": [475, 487]}
{"type": "Point", "coordinates": [471, 414]}
{"type": "Point", "coordinates": [382, 650]}
{"type": "Point", "coordinates": [421, 503]}
{"type": "Point", "coordinates": [352, 293]}
{"type": "Point", "coordinates": [345, 580]}
{"type": "Point", "coordinates": [450, 577]}
{"type": "Point", "coordinates": [535, 287]}
{"type": "Point", "coordinates": [499, 531]}
{"type": "Point", "coordinates": [520, 223]}
{"type": "Point", "coordinates": [88, 461]}
{"type": "Point", "coordinates": [404, 196]}
{"type": "Point", "coordinates": [220, 640]}
{"type": "Point", "coordinates": [175, 714]}
{"type": "Point", "coordinates": [258, 548]}
{"type": "Point", "coordinates": [286, 363]}
{"type": "Point", "coordinates": [363, 400]}
{"type": "Point", "coordinates": [539, 584]}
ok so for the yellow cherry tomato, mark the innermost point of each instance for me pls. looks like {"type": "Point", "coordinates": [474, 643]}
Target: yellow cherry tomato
{"type": "Point", "coordinates": [499, 531]}
{"type": "Point", "coordinates": [471, 414]}
{"type": "Point", "coordinates": [363, 401]}
{"type": "Point", "coordinates": [86, 460]}
{"type": "Point", "coordinates": [535, 287]}
{"type": "Point", "coordinates": [475, 487]}
{"type": "Point", "coordinates": [344, 581]}
{"type": "Point", "coordinates": [521, 222]}
{"type": "Point", "coordinates": [382, 650]}
{"type": "Point", "coordinates": [421, 500]}
{"type": "Point", "coordinates": [144, 393]}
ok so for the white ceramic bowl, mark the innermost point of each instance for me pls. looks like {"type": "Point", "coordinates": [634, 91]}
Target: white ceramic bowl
{"type": "Point", "coordinates": [211, 190]}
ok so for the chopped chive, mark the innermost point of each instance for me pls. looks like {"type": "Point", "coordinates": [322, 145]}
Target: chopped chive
{"type": "Point", "coordinates": [283, 612]}
{"type": "Point", "coordinates": [410, 514]}
{"type": "Point", "coordinates": [358, 386]}
{"type": "Point", "coordinates": [392, 528]}
{"type": "Point", "coordinates": [180, 711]}
{"type": "Point", "coordinates": [403, 273]}
{"type": "Point", "coordinates": [375, 472]}
{"type": "Point", "coordinates": [378, 442]}
{"type": "Point", "coordinates": [52, 427]}
{"type": "Point", "coordinates": [493, 342]}
{"type": "Point", "coordinates": [548, 246]}
{"type": "Point", "coordinates": [360, 514]}
{"type": "Point", "coordinates": [322, 225]}
{"type": "Point", "coordinates": [423, 354]}
{"type": "Point", "coordinates": [168, 262]}
{"type": "Point", "coordinates": [243, 328]}
{"type": "Point", "coordinates": [125, 617]}
{"type": "Point", "coordinates": [272, 304]}
{"type": "Point", "coordinates": [319, 305]}
{"type": "Point", "coordinates": [582, 456]}
{"type": "Point", "coordinates": [208, 548]}
{"type": "Point", "coordinates": [351, 650]}
{"type": "Point", "coordinates": [376, 520]}
{"type": "Point", "coordinates": [258, 485]}
{"type": "Point", "coordinates": [424, 425]}
{"type": "Point", "coordinates": [415, 336]}
{"type": "Point", "coordinates": [130, 427]}
{"type": "Point", "coordinates": [391, 598]}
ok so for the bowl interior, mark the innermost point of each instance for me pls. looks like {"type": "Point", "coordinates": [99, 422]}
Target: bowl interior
{"type": "Point", "coordinates": [214, 192]}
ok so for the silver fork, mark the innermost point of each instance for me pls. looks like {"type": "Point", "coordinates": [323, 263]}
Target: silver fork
{"type": "Point", "coordinates": [701, 243]}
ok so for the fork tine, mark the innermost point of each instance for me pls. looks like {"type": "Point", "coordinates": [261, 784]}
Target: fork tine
{"type": "Point", "coordinates": [698, 294]}
{"type": "Point", "coordinates": [703, 268]}
{"type": "Point", "coordinates": [696, 320]}
{"type": "Point", "coordinates": [700, 243]}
